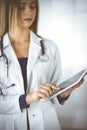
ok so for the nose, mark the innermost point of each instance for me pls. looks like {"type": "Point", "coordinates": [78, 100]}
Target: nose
{"type": "Point", "coordinates": [27, 10]}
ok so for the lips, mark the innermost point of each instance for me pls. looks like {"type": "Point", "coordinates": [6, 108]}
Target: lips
{"type": "Point", "coordinates": [28, 19]}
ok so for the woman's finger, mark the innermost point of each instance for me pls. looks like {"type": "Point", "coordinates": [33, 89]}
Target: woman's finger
{"type": "Point", "coordinates": [78, 84]}
{"type": "Point", "coordinates": [41, 95]}
{"type": "Point", "coordinates": [47, 88]}
{"type": "Point", "coordinates": [44, 91]}
{"type": "Point", "coordinates": [54, 87]}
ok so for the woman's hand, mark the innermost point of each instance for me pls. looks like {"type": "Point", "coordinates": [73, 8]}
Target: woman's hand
{"type": "Point", "coordinates": [69, 91]}
{"type": "Point", "coordinates": [43, 91]}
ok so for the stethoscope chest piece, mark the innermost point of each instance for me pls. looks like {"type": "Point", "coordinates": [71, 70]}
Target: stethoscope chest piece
{"type": "Point", "coordinates": [44, 58]}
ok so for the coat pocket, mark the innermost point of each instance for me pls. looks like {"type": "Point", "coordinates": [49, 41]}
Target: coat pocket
{"type": "Point", "coordinates": [50, 117]}
{"type": "Point", "coordinates": [51, 120]}
{"type": "Point", "coordinates": [5, 122]}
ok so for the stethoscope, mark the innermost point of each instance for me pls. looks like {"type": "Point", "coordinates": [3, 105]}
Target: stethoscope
{"type": "Point", "coordinates": [3, 54]}
{"type": "Point", "coordinates": [43, 57]}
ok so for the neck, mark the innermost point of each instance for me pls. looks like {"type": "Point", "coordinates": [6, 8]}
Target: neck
{"type": "Point", "coordinates": [21, 36]}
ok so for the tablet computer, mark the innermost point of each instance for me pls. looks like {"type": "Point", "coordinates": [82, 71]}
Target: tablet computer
{"type": "Point", "coordinates": [65, 85]}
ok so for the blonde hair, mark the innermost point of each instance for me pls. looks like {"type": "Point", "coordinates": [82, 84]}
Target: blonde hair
{"type": "Point", "coordinates": [8, 17]}
{"type": "Point", "coordinates": [12, 17]}
{"type": "Point", "coordinates": [2, 18]}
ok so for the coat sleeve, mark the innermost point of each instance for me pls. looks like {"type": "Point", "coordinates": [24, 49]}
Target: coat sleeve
{"type": "Point", "coordinates": [9, 104]}
{"type": "Point", "coordinates": [57, 74]}
{"type": "Point", "coordinates": [56, 77]}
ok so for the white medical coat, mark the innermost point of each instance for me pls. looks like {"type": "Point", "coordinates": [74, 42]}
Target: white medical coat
{"type": "Point", "coordinates": [42, 115]}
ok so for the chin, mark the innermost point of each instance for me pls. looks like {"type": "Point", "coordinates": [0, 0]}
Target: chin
{"type": "Point", "coordinates": [26, 26]}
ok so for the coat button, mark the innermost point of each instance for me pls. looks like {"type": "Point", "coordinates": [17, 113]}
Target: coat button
{"type": "Point", "coordinates": [33, 115]}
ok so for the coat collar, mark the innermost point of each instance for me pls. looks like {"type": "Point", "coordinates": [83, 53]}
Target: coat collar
{"type": "Point", "coordinates": [6, 41]}
{"type": "Point", "coordinates": [33, 55]}
{"type": "Point", "coordinates": [35, 39]}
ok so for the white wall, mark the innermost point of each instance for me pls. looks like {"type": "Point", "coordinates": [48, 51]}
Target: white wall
{"type": "Point", "coordinates": [65, 22]}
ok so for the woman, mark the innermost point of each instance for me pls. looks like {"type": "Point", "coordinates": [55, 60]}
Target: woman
{"type": "Point", "coordinates": [30, 68]}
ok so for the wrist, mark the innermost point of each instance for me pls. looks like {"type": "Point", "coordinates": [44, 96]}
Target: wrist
{"type": "Point", "coordinates": [29, 98]}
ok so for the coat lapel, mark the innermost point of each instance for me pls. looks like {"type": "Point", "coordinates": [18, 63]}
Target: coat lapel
{"type": "Point", "coordinates": [34, 52]}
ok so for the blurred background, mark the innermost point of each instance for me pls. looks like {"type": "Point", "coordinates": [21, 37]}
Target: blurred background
{"type": "Point", "coordinates": [65, 22]}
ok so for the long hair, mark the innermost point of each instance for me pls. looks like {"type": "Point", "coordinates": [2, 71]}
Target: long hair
{"type": "Point", "coordinates": [2, 18]}
{"type": "Point", "coordinates": [34, 26]}
{"type": "Point", "coordinates": [13, 4]}
{"type": "Point", "coordinates": [8, 17]}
